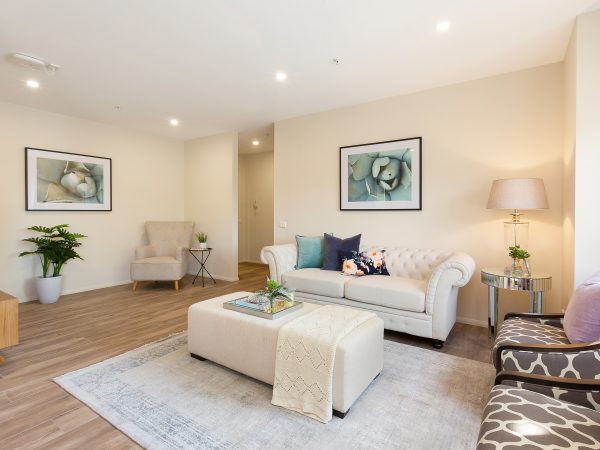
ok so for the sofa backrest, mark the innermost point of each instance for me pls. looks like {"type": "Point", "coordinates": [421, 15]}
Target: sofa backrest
{"type": "Point", "coordinates": [165, 237]}
{"type": "Point", "coordinates": [415, 263]}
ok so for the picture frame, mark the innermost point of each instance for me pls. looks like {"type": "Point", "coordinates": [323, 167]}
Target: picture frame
{"type": "Point", "coordinates": [382, 176]}
{"type": "Point", "coordinates": [62, 181]}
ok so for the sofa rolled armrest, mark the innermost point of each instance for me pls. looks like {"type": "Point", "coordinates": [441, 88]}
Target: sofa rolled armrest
{"type": "Point", "coordinates": [144, 251]}
{"type": "Point", "coordinates": [454, 271]}
{"type": "Point", "coordinates": [280, 258]}
{"type": "Point", "coordinates": [442, 291]}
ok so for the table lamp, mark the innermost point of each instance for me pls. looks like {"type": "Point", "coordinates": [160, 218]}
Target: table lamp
{"type": "Point", "coordinates": [517, 194]}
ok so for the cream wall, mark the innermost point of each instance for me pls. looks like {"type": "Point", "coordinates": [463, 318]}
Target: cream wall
{"type": "Point", "coordinates": [141, 163]}
{"type": "Point", "coordinates": [211, 199]}
{"type": "Point", "coordinates": [505, 126]}
{"type": "Point", "coordinates": [242, 210]}
{"type": "Point", "coordinates": [570, 74]}
{"type": "Point", "coordinates": [257, 223]}
{"type": "Point", "coordinates": [587, 144]}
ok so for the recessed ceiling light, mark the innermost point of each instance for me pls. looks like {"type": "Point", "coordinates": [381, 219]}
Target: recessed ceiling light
{"type": "Point", "coordinates": [174, 122]}
{"type": "Point", "coordinates": [255, 142]}
{"type": "Point", "coordinates": [443, 26]}
{"type": "Point", "coordinates": [280, 76]}
{"type": "Point", "coordinates": [32, 84]}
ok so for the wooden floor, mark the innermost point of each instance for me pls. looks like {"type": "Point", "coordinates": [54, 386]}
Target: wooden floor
{"type": "Point", "coordinates": [85, 328]}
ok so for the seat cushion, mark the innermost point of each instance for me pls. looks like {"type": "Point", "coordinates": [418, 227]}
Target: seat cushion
{"type": "Point", "coordinates": [393, 292]}
{"type": "Point", "coordinates": [157, 268]}
{"type": "Point", "coordinates": [316, 281]}
{"type": "Point", "coordinates": [526, 419]}
{"type": "Point", "coordinates": [517, 330]}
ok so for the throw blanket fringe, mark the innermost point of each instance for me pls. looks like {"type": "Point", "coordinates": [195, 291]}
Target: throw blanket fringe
{"type": "Point", "coordinates": [306, 349]}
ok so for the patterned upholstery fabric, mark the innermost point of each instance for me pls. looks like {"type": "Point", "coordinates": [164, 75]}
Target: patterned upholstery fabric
{"type": "Point", "coordinates": [527, 331]}
{"type": "Point", "coordinates": [517, 418]}
{"type": "Point", "coordinates": [537, 332]}
{"type": "Point", "coordinates": [575, 364]}
{"type": "Point", "coordinates": [588, 399]}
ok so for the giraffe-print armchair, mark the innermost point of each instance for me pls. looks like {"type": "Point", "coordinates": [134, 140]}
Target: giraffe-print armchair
{"type": "Point", "coordinates": [519, 415]}
{"type": "Point", "coordinates": [537, 344]}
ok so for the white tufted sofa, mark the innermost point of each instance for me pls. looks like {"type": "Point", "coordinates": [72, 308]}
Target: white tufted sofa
{"type": "Point", "coordinates": [418, 298]}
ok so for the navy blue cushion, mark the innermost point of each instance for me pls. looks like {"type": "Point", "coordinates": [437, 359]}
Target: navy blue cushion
{"type": "Point", "coordinates": [333, 247]}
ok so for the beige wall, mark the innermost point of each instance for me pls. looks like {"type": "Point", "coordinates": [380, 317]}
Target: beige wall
{"type": "Point", "coordinates": [141, 165]}
{"type": "Point", "coordinates": [242, 210]}
{"type": "Point", "coordinates": [505, 126]}
{"type": "Point", "coordinates": [570, 73]}
{"type": "Point", "coordinates": [587, 143]}
{"type": "Point", "coordinates": [211, 199]}
{"type": "Point", "coordinates": [256, 228]}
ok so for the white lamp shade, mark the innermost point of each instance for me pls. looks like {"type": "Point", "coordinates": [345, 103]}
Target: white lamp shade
{"type": "Point", "coordinates": [518, 193]}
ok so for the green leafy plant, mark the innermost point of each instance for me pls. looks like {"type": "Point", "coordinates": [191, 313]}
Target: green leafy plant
{"type": "Point", "coordinates": [202, 237]}
{"type": "Point", "coordinates": [516, 252]}
{"type": "Point", "coordinates": [273, 291]}
{"type": "Point", "coordinates": [55, 247]}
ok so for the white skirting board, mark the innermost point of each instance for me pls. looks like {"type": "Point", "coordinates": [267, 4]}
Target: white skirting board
{"type": "Point", "coordinates": [83, 289]}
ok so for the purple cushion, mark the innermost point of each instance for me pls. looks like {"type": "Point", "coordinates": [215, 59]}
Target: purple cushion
{"type": "Point", "coordinates": [582, 317]}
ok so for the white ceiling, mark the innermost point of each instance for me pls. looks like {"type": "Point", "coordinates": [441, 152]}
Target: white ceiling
{"type": "Point", "coordinates": [211, 63]}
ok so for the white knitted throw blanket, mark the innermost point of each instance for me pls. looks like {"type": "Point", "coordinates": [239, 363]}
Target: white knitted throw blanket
{"type": "Point", "coordinates": [306, 350]}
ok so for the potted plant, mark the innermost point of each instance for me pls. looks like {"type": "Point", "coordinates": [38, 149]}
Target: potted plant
{"type": "Point", "coordinates": [202, 238]}
{"type": "Point", "coordinates": [273, 292]}
{"type": "Point", "coordinates": [55, 247]}
{"type": "Point", "coordinates": [519, 254]}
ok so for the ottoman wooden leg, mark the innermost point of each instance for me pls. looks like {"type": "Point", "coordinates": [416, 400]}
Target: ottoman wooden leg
{"type": "Point", "coordinates": [176, 285]}
{"type": "Point", "coordinates": [135, 285]}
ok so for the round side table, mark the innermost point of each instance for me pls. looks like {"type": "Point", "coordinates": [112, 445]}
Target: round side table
{"type": "Point", "coordinates": [204, 254]}
{"type": "Point", "coordinates": [495, 278]}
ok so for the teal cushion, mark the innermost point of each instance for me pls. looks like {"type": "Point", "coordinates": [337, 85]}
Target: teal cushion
{"type": "Point", "coordinates": [310, 251]}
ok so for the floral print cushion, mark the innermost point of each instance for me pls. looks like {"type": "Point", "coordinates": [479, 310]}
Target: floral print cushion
{"type": "Point", "coordinates": [364, 263]}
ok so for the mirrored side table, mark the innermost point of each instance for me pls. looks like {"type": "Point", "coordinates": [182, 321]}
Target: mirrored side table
{"type": "Point", "coordinates": [495, 278]}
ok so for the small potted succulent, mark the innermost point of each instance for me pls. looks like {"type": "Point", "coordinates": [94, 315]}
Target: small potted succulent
{"type": "Point", "coordinates": [55, 247]}
{"type": "Point", "coordinates": [202, 238]}
{"type": "Point", "coordinates": [271, 294]}
{"type": "Point", "coordinates": [517, 255]}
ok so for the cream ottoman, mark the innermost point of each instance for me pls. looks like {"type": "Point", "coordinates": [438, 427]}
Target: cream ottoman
{"type": "Point", "coordinates": [248, 344]}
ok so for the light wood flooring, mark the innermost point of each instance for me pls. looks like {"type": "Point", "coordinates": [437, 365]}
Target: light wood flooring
{"type": "Point", "coordinates": [82, 329]}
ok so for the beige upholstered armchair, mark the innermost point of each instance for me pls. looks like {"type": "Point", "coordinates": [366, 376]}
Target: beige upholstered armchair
{"type": "Point", "coordinates": [165, 257]}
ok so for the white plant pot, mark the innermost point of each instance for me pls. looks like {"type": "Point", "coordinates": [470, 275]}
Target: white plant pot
{"type": "Point", "coordinates": [48, 289]}
{"type": "Point", "coordinates": [202, 245]}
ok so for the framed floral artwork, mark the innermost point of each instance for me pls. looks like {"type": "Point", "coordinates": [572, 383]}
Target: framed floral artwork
{"type": "Point", "coordinates": [381, 176]}
{"type": "Point", "coordinates": [60, 181]}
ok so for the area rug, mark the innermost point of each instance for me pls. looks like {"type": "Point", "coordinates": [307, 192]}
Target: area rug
{"type": "Point", "coordinates": [163, 399]}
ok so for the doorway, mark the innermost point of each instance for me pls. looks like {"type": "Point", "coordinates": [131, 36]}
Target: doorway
{"type": "Point", "coordinates": [255, 195]}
